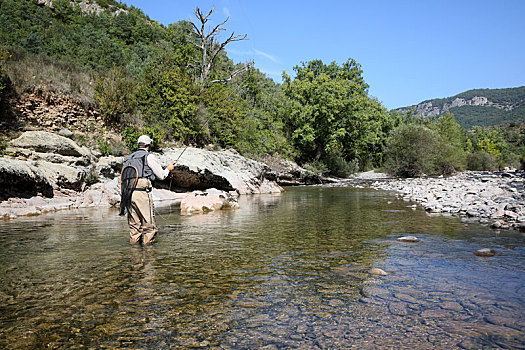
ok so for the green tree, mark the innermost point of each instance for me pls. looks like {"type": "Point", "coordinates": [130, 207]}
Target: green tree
{"type": "Point", "coordinates": [114, 94]}
{"type": "Point", "coordinates": [413, 150]}
{"type": "Point", "coordinates": [167, 97]}
{"type": "Point", "coordinates": [453, 143]}
{"type": "Point", "coordinates": [331, 114]}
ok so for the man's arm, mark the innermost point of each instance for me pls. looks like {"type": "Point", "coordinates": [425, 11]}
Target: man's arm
{"type": "Point", "coordinates": [160, 173]}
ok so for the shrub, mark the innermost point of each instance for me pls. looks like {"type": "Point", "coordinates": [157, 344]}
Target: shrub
{"type": "Point", "coordinates": [413, 150]}
{"type": "Point", "coordinates": [481, 160]}
{"type": "Point", "coordinates": [340, 167]}
{"type": "Point", "coordinates": [114, 95]}
{"type": "Point", "coordinates": [316, 167]}
{"type": "Point", "coordinates": [130, 136]}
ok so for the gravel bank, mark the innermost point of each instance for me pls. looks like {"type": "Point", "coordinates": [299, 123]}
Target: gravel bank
{"type": "Point", "coordinates": [497, 198]}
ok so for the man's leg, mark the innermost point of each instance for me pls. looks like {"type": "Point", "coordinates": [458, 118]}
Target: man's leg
{"type": "Point", "coordinates": [149, 229]}
{"type": "Point", "coordinates": [135, 224]}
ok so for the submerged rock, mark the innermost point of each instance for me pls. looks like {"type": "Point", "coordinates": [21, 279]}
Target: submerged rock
{"type": "Point", "coordinates": [408, 239]}
{"type": "Point", "coordinates": [377, 271]}
{"type": "Point", "coordinates": [485, 252]}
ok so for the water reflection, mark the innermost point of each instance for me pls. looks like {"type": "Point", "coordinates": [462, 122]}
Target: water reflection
{"type": "Point", "coordinates": [286, 270]}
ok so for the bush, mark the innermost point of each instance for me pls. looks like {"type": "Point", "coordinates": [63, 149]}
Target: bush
{"type": "Point", "coordinates": [481, 160]}
{"type": "Point", "coordinates": [130, 136]}
{"type": "Point", "coordinates": [316, 167]}
{"type": "Point", "coordinates": [114, 94]}
{"type": "Point", "coordinates": [413, 150]}
{"type": "Point", "coordinates": [340, 167]}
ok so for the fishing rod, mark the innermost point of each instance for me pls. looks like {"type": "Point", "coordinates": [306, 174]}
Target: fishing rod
{"type": "Point", "coordinates": [194, 138]}
{"type": "Point", "coordinates": [185, 148]}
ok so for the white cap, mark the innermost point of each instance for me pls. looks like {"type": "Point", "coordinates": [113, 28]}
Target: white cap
{"type": "Point", "coordinates": [144, 139]}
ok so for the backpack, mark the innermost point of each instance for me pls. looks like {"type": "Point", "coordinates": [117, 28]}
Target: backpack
{"type": "Point", "coordinates": [134, 167]}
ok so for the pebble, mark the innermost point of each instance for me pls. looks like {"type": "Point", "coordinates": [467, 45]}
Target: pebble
{"type": "Point", "coordinates": [485, 252]}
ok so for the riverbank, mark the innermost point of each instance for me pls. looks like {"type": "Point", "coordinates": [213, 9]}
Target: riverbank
{"type": "Point", "coordinates": [495, 198]}
{"type": "Point", "coordinates": [44, 172]}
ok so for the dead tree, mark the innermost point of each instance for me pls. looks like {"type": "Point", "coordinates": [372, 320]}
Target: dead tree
{"type": "Point", "coordinates": [210, 48]}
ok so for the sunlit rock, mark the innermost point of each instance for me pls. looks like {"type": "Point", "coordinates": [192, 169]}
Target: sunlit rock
{"type": "Point", "coordinates": [408, 239]}
{"type": "Point", "coordinates": [377, 271]}
{"type": "Point", "coordinates": [210, 200]}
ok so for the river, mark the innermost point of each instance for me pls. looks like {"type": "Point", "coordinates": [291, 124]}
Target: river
{"type": "Point", "coordinates": [283, 271]}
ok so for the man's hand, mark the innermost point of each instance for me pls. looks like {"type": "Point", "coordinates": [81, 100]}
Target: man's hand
{"type": "Point", "coordinates": [171, 166]}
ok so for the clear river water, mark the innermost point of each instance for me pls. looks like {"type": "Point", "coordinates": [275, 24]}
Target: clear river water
{"type": "Point", "coordinates": [282, 272]}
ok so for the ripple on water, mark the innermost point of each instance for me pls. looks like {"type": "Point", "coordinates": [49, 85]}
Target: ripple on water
{"type": "Point", "coordinates": [281, 272]}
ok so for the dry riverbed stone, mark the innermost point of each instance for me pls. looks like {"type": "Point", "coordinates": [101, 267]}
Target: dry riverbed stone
{"type": "Point", "coordinates": [408, 239]}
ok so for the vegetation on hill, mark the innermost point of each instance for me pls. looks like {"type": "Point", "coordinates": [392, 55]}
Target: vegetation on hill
{"type": "Point", "coordinates": [506, 106]}
{"type": "Point", "coordinates": [178, 86]}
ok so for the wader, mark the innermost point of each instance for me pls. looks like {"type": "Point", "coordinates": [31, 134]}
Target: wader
{"type": "Point", "coordinates": [140, 217]}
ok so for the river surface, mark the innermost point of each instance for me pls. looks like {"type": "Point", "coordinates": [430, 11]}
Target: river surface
{"type": "Point", "coordinates": [283, 271]}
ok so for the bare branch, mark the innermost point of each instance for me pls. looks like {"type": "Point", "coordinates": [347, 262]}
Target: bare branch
{"type": "Point", "coordinates": [210, 47]}
{"type": "Point", "coordinates": [217, 28]}
{"type": "Point", "coordinates": [233, 74]}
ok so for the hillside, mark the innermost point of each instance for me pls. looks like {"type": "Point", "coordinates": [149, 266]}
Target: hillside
{"type": "Point", "coordinates": [479, 107]}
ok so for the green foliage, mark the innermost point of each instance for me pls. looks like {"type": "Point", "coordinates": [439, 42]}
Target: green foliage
{"type": "Point", "coordinates": [331, 114]}
{"type": "Point", "coordinates": [104, 147]}
{"type": "Point", "coordinates": [491, 141]}
{"type": "Point", "coordinates": [167, 98]}
{"type": "Point", "coordinates": [340, 167]}
{"type": "Point", "coordinates": [453, 143]}
{"type": "Point", "coordinates": [114, 95]}
{"type": "Point", "coordinates": [481, 161]}
{"type": "Point", "coordinates": [413, 150]}
{"type": "Point", "coordinates": [130, 136]}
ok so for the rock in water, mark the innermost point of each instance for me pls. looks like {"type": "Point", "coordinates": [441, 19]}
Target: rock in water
{"type": "Point", "coordinates": [408, 239]}
{"type": "Point", "coordinates": [210, 200]}
{"type": "Point", "coordinates": [378, 272]}
{"type": "Point", "coordinates": [485, 252]}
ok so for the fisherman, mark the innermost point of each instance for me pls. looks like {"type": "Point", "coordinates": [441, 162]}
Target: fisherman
{"type": "Point", "coordinates": [142, 228]}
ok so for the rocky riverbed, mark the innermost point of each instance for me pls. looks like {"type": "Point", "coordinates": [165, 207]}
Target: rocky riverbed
{"type": "Point", "coordinates": [496, 198]}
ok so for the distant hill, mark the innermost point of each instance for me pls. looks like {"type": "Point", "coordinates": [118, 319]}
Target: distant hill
{"type": "Point", "coordinates": [483, 107]}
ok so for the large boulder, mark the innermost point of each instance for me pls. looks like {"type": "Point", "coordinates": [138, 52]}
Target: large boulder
{"type": "Point", "coordinates": [62, 175]}
{"type": "Point", "coordinates": [110, 166]}
{"type": "Point", "coordinates": [22, 179]}
{"type": "Point", "coordinates": [47, 142]}
{"type": "Point", "coordinates": [224, 170]}
{"type": "Point", "coordinates": [288, 173]}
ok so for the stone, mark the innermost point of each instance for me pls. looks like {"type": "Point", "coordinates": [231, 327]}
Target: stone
{"type": "Point", "coordinates": [408, 239]}
{"type": "Point", "coordinates": [377, 271]}
{"type": "Point", "coordinates": [485, 252]}
{"type": "Point", "coordinates": [46, 142]}
{"type": "Point", "coordinates": [198, 169]}
{"type": "Point", "coordinates": [20, 178]}
{"type": "Point", "coordinates": [65, 132]}
{"type": "Point", "coordinates": [210, 200]}
{"type": "Point", "coordinates": [109, 167]}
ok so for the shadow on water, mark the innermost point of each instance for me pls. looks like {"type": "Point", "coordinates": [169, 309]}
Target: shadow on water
{"type": "Point", "coordinates": [288, 270]}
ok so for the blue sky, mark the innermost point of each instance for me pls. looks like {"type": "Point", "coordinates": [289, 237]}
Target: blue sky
{"type": "Point", "coordinates": [410, 51]}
